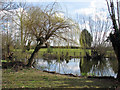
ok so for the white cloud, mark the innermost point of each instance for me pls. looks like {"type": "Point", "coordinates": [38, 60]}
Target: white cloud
{"type": "Point", "coordinates": [96, 6]}
{"type": "Point", "coordinates": [50, 0]}
{"type": "Point", "coordinates": [62, 15]}
{"type": "Point", "coordinates": [97, 9]}
{"type": "Point", "coordinates": [85, 11]}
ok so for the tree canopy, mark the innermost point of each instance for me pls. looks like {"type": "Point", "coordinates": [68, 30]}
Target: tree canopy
{"type": "Point", "coordinates": [85, 39]}
{"type": "Point", "coordinates": [45, 23]}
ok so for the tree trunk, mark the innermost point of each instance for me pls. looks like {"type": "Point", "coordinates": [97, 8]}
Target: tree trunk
{"type": "Point", "coordinates": [118, 57]}
{"type": "Point", "coordinates": [115, 39]}
{"type": "Point", "coordinates": [8, 49]}
{"type": "Point", "coordinates": [30, 60]}
{"type": "Point", "coordinates": [118, 75]}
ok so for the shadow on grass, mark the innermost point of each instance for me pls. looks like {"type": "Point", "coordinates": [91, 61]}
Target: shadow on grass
{"type": "Point", "coordinates": [86, 83]}
{"type": "Point", "coordinates": [37, 79]}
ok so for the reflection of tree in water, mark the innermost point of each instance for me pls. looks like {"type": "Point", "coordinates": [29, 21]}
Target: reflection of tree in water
{"type": "Point", "coordinates": [56, 65]}
{"type": "Point", "coordinates": [103, 67]}
{"type": "Point", "coordinates": [114, 64]}
{"type": "Point", "coordinates": [97, 67]}
{"type": "Point", "coordinates": [85, 65]}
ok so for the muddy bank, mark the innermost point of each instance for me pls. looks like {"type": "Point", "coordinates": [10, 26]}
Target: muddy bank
{"type": "Point", "coordinates": [72, 75]}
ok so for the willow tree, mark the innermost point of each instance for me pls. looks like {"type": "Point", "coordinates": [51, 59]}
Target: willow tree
{"type": "Point", "coordinates": [114, 37]}
{"type": "Point", "coordinates": [85, 39]}
{"type": "Point", "coordinates": [43, 24]}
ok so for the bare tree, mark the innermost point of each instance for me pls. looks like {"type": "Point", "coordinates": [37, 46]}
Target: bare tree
{"type": "Point", "coordinates": [16, 11]}
{"type": "Point", "coordinates": [5, 20]}
{"type": "Point", "coordinates": [71, 35]}
{"type": "Point", "coordinates": [43, 24]}
{"type": "Point", "coordinates": [18, 19]}
{"type": "Point", "coordinates": [100, 29]}
{"type": "Point", "coordinates": [113, 8]}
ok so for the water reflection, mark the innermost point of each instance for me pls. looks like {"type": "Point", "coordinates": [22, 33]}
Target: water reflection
{"type": "Point", "coordinates": [80, 67]}
{"type": "Point", "coordinates": [103, 67]}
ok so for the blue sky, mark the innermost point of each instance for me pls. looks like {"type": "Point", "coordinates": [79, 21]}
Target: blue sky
{"type": "Point", "coordinates": [68, 7]}
{"type": "Point", "coordinates": [71, 7]}
{"type": "Point", "coordinates": [80, 8]}
{"type": "Point", "coordinates": [77, 7]}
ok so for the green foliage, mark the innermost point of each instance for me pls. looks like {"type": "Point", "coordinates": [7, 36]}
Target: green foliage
{"type": "Point", "coordinates": [84, 74]}
{"type": "Point", "coordinates": [3, 60]}
{"type": "Point", "coordinates": [85, 39]}
{"type": "Point", "coordinates": [49, 50]}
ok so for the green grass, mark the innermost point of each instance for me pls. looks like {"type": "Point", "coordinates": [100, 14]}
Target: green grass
{"type": "Point", "coordinates": [58, 51]}
{"type": "Point", "coordinates": [71, 52]}
{"type": "Point", "coordinates": [3, 60]}
{"type": "Point", "coordinates": [33, 78]}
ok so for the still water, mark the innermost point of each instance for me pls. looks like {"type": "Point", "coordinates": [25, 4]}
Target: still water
{"type": "Point", "coordinates": [80, 66]}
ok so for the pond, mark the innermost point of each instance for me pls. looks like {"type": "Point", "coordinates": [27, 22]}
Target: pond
{"type": "Point", "coordinates": [80, 66]}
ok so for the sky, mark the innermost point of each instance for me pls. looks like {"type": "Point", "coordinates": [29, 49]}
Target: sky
{"type": "Point", "coordinates": [78, 9]}
{"type": "Point", "coordinates": [74, 7]}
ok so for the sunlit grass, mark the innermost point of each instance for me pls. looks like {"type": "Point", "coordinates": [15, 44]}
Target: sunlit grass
{"type": "Point", "coordinates": [33, 78]}
{"type": "Point", "coordinates": [61, 51]}
{"type": "Point", "coordinates": [3, 60]}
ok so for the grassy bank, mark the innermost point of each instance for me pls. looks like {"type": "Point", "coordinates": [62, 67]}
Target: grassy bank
{"type": "Point", "coordinates": [32, 78]}
{"type": "Point", "coordinates": [59, 51]}
{"type": "Point", "coordinates": [55, 51]}
{"type": "Point", "coordinates": [71, 52]}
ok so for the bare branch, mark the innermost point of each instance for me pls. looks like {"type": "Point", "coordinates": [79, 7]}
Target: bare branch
{"type": "Point", "coordinates": [118, 14]}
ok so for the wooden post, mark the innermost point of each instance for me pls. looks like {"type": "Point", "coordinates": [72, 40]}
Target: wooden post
{"type": "Point", "coordinates": [74, 53]}
{"type": "Point", "coordinates": [80, 54]}
{"type": "Point", "coordinates": [62, 53]}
